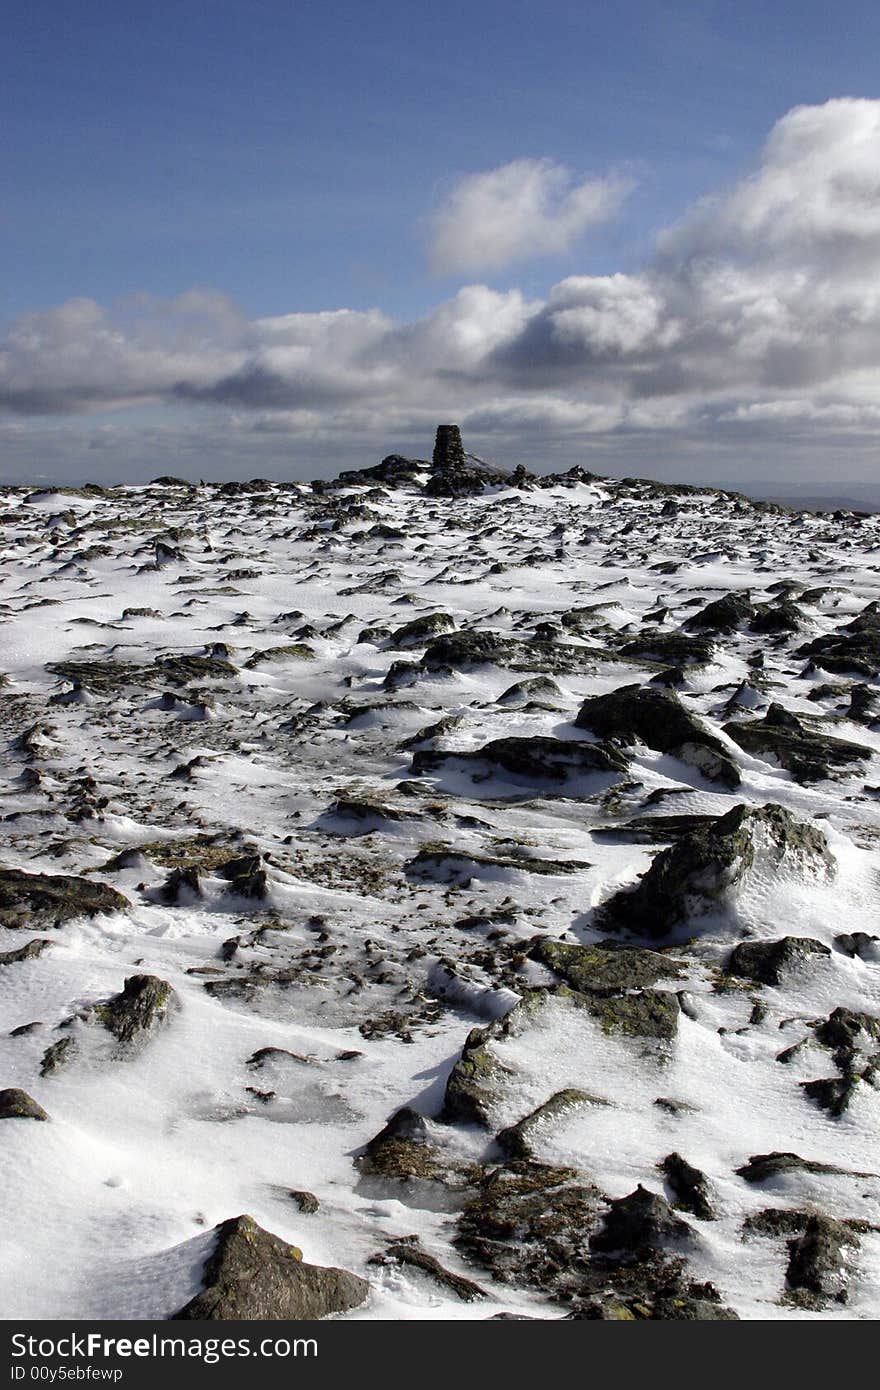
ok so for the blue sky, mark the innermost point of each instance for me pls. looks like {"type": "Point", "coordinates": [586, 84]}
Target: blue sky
{"type": "Point", "coordinates": [300, 158]}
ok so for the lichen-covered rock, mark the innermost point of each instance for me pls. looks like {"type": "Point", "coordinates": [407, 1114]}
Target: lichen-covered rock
{"type": "Point", "coordinates": [702, 870]}
{"type": "Point", "coordinates": [766, 962]}
{"type": "Point", "coordinates": [18, 1105]}
{"type": "Point", "coordinates": [181, 885]}
{"type": "Point", "coordinates": [659, 719]}
{"type": "Point", "coordinates": [142, 1006]}
{"type": "Point", "coordinates": [253, 1275]}
{"type": "Point", "coordinates": [529, 1223]}
{"type": "Point", "coordinates": [604, 969]}
{"type": "Point", "coordinates": [469, 1086]}
{"type": "Point", "coordinates": [50, 900]}
{"type": "Point", "coordinates": [548, 759]}
{"type": "Point", "coordinates": [808, 756]}
{"type": "Point", "coordinates": [848, 1031]}
{"type": "Point", "coordinates": [644, 1013]}
{"type": "Point", "coordinates": [57, 1055]}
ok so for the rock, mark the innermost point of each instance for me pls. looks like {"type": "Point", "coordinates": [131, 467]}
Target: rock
{"type": "Point", "coordinates": [143, 1006]}
{"type": "Point", "coordinates": [817, 1267]}
{"type": "Point", "coordinates": [34, 948]}
{"type": "Point", "coordinates": [408, 1251]}
{"type": "Point", "coordinates": [548, 759]}
{"type": "Point", "coordinates": [701, 871]}
{"type": "Point", "coordinates": [404, 1152]}
{"type": "Point", "coordinates": [646, 1013]}
{"type": "Point", "coordinates": [857, 944]}
{"type": "Point", "coordinates": [771, 618]}
{"type": "Point", "coordinates": [448, 448]}
{"type": "Point", "coordinates": [855, 647]}
{"type": "Point", "coordinates": [446, 865]}
{"type": "Point", "coordinates": [57, 1056]}
{"type": "Point", "coordinates": [18, 1105]}
{"type": "Point", "coordinates": [453, 472]}
{"type": "Point", "coordinates": [253, 1275]}
{"type": "Point", "coordinates": [529, 1223]}
{"type": "Point", "coordinates": [670, 649]}
{"type": "Point", "coordinates": [765, 1167]}
{"type": "Point", "coordinates": [306, 1201]}
{"type": "Point", "coordinates": [181, 885]}
{"type": "Point", "coordinates": [469, 1085]}
{"type": "Point", "coordinates": [637, 1223]}
{"type": "Point", "coordinates": [846, 1031]}
{"type": "Point", "coordinates": [515, 1142]}
{"type": "Point", "coordinates": [604, 969]}
{"type": "Point", "coordinates": [832, 1093]}
{"type": "Point", "coordinates": [44, 901]}
{"type": "Point", "coordinates": [766, 962]}
{"type": "Point", "coordinates": [809, 757]}
{"type": "Point", "coordinates": [690, 1187]}
{"type": "Point", "coordinates": [724, 615]}
{"type": "Point", "coordinates": [421, 631]}
{"type": "Point", "coordinates": [540, 688]}
{"type": "Point", "coordinates": [655, 830]}
{"type": "Point", "coordinates": [659, 719]}
{"type": "Point", "coordinates": [460, 651]}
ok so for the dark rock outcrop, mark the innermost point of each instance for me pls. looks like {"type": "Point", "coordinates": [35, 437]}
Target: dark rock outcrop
{"type": "Point", "coordinates": [659, 719]}
{"type": "Point", "coordinates": [49, 900]}
{"type": "Point", "coordinates": [783, 737]}
{"type": "Point", "coordinates": [766, 962]}
{"type": "Point", "coordinates": [141, 1007]}
{"type": "Point", "coordinates": [253, 1275]}
{"type": "Point", "coordinates": [18, 1105]}
{"type": "Point", "coordinates": [541, 759]}
{"type": "Point", "coordinates": [701, 870]}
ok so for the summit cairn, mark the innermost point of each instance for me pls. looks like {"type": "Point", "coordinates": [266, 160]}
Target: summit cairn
{"type": "Point", "coordinates": [448, 449]}
{"type": "Point", "coordinates": [455, 473]}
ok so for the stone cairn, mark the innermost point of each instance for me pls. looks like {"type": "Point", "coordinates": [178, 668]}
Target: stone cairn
{"type": "Point", "coordinates": [448, 449]}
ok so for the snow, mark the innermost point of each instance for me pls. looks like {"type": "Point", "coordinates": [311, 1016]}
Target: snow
{"type": "Point", "coordinates": [109, 1207]}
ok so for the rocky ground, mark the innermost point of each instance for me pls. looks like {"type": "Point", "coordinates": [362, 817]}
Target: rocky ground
{"type": "Point", "coordinates": [437, 894]}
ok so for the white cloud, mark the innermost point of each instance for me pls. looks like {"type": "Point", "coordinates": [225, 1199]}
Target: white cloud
{"type": "Point", "coordinates": [759, 313]}
{"type": "Point", "coordinates": [529, 208]}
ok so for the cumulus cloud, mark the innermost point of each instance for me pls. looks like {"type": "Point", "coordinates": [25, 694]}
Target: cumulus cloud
{"type": "Point", "coordinates": [759, 314]}
{"type": "Point", "coordinates": [528, 208]}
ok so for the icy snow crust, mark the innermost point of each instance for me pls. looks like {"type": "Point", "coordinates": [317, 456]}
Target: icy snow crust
{"type": "Point", "coordinates": [306, 760]}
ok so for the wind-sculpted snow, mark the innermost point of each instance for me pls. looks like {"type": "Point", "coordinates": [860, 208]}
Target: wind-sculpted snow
{"type": "Point", "coordinates": [342, 889]}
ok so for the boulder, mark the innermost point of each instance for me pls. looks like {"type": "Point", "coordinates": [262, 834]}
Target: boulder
{"type": "Point", "coordinates": [766, 962]}
{"type": "Point", "coordinates": [142, 1006]}
{"type": "Point", "coordinates": [701, 871]}
{"type": "Point", "coordinates": [658, 718]}
{"type": "Point", "coordinates": [818, 1262]}
{"type": "Point", "coordinates": [253, 1275]}
{"type": "Point", "coordinates": [604, 969]}
{"type": "Point", "coordinates": [18, 1105]}
{"type": "Point", "coordinates": [43, 901]}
